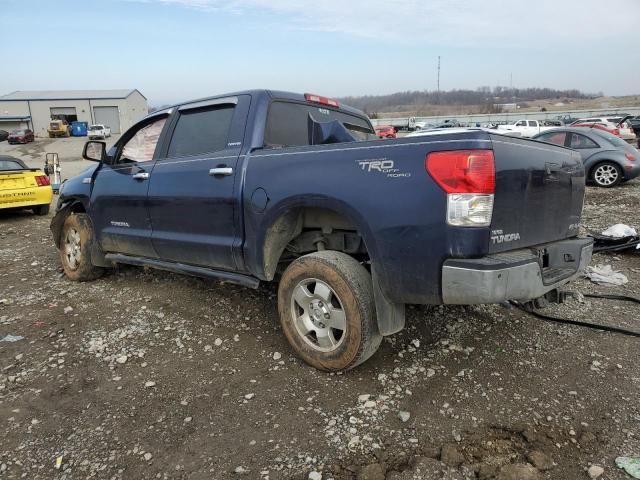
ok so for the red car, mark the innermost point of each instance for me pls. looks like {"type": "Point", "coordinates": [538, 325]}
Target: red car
{"type": "Point", "coordinates": [599, 126]}
{"type": "Point", "coordinates": [21, 136]}
{"type": "Point", "coordinates": [385, 131]}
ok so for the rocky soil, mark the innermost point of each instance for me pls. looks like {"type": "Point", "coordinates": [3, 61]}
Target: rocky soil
{"type": "Point", "coordinates": [146, 374]}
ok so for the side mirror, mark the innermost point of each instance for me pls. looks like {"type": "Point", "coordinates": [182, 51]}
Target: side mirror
{"type": "Point", "coordinates": [94, 151]}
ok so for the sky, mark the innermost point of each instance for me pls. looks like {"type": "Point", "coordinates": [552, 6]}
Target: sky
{"type": "Point", "coordinates": [175, 50]}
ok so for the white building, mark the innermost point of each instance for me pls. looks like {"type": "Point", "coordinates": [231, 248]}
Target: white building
{"type": "Point", "coordinates": [118, 109]}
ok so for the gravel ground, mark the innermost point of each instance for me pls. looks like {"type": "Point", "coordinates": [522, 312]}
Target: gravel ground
{"type": "Point", "coordinates": [147, 374]}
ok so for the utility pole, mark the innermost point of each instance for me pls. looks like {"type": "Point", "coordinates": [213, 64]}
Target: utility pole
{"type": "Point", "coordinates": [438, 75]}
{"type": "Point", "coordinates": [438, 96]}
{"type": "Point", "coordinates": [511, 81]}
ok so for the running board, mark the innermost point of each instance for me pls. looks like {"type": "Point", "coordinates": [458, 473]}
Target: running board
{"type": "Point", "coordinates": [230, 277]}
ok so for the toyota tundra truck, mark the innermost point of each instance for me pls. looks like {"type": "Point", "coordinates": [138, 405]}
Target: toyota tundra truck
{"type": "Point", "coordinates": [261, 186]}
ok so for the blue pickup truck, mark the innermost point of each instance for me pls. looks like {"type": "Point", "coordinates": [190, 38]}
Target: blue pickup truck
{"type": "Point", "coordinates": [264, 185]}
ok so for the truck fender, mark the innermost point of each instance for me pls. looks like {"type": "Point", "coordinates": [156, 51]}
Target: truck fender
{"type": "Point", "coordinates": [390, 315]}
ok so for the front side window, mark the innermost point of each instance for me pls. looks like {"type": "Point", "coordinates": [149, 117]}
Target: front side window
{"type": "Point", "coordinates": [555, 138]}
{"type": "Point", "coordinates": [141, 147]}
{"type": "Point", "coordinates": [203, 130]}
{"type": "Point", "coordinates": [521, 123]}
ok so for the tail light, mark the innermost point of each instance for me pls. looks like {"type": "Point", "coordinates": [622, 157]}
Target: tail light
{"type": "Point", "coordinates": [469, 179]}
{"type": "Point", "coordinates": [310, 97]}
{"type": "Point", "coordinates": [630, 157]}
{"type": "Point", "coordinates": [616, 132]}
{"type": "Point", "coordinates": [43, 181]}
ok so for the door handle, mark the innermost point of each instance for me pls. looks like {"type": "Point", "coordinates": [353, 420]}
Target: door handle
{"type": "Point", "coordinates": [141, 176]}
{"type": "Point", "coordinates": [222, 171]}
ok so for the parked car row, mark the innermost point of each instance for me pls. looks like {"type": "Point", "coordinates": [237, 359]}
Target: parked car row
{"type": "Point", "coordinates": [608, 159]}
{"type": "Point", "coordinates": [59, 128]}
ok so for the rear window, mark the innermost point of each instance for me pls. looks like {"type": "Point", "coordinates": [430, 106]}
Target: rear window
{"type": "Point", "coordinates": [287, 123]}
{"type": "Point", "coordinates": [10, 165]}
{"type": "Point", "coordinates": [609, 137]}
{"type": "Point", "coordinates": [201, 131]}
{"type": "Point", "coordinates": [96, 127]}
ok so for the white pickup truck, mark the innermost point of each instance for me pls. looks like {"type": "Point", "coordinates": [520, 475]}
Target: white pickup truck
{"type": "Point", "coordinates": [99, 131]}
{"type": "Point", "coordinates": [527, 128]}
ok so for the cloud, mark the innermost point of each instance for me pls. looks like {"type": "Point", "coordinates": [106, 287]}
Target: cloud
{"type": "Point", "coordinates": [517, 23]}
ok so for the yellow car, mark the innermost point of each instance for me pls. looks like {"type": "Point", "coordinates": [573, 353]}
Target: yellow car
{"type": "Point", "coordinates": [23, 187]}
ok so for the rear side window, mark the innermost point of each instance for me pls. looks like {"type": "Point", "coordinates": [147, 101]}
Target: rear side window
{"type": "Point", "coordinates": [287, 123]}
{"type": "Point", "coordinates": [580, 141]}
{"type": "Point", "coordinates": [201, 131]}
{"type": "Point", "coordinates": [532, 124]}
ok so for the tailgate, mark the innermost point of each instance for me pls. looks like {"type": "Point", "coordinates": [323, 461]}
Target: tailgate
{"type": "Point", "coordinates": [538, 196]}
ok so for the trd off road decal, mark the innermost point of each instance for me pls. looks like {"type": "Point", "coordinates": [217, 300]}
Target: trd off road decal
{"type": "Point", "coordinates": [382, 165]}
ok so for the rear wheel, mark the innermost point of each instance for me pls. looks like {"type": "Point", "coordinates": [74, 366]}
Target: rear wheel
{"type": "Point", "coordinates": [327, 311]}
{"type": "Point", "coordinates": [75, 249]}
{"type": "Point", "coordinates": [606, 174]}
{"type": "Point", "coordinates": [41, 210]}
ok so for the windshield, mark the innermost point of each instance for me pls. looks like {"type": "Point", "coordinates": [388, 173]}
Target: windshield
{"type": "Point", "coordinates": [17, 132]}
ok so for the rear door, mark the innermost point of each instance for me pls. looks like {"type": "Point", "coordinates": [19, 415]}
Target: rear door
{"type": "Point", "coordinates": [118, 198]}
{"type": "Point", "coordinates": [538, 195]}
{"type": "Point", "coordinates": [194, 190]}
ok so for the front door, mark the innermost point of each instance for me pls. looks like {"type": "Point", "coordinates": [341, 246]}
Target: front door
{"type": "Point", "coordinates": [119, 195]}
{"type": "Point", "coordinates": [194, 188]}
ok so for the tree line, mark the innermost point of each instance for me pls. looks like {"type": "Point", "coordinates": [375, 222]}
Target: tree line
{"type": "Point", "coordinates": [487, 96]}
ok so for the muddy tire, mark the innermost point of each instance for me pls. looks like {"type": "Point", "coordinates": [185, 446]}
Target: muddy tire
{"type": "Point", "coordinates": [606, 175]}
{"type": "Point", "coordinates": [75, 249]}
{"type": "Point", "coordinates": [41, 210]}
{"type": "Point", "coordinates": [327, 311]}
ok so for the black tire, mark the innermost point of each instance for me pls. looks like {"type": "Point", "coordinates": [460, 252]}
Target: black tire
{"type": "Point", "coordinates": [314, 331]}
{"type": "Point", "coordinates": [606, 174]}
{"type": "Point", "coordinates": [41, 210]}
{"type": "Point", "coordinates": [75, 249]}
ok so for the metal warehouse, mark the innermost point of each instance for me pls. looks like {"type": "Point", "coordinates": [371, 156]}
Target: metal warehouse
{"type": "Point", "coordinates": [117, 109]}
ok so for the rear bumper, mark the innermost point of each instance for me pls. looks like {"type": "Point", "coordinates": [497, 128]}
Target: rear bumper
{"type": "Point", "coordinates": [25, 197]}
{"type": "Point", "coordinates": [518, 275]}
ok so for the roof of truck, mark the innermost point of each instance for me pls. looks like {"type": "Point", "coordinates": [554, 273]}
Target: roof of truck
{"type": "Point", "coordinates": [276, 94]}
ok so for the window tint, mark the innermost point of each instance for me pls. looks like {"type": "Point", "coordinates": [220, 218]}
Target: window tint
{"type": "Point", "coordinates": [532, 124]}
{"type": "Point", "coordinates": [556, 138]}
{"type": "Point", "coordinates": [580, 141]}
{"type": "Point", "coordinates": [287, 123]}
{"type": "Point", "coordinates": [201, 131]}
{"type": "Point", "coordinates": [142, 145]}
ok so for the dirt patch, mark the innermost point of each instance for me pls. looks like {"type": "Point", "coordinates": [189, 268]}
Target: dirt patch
{"type": "Point", "coordinates": [145, 374]}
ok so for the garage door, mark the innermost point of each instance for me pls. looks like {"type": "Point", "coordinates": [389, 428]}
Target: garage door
{"type": "Point", "coordinates": [63, 111]}
{"type": "Point", "coordinates": [108, 116]}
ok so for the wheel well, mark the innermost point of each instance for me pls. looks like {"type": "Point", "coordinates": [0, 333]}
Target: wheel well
{"type": "Point", "coordinates": [597, 164]}
{"type": "Point", "coordinates": [306, 230]}
{"type": "Point", "coordinates": [61, 215]}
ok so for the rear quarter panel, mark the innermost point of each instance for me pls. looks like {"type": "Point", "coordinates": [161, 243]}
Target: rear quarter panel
{"type": "Point", "coordinates": [383, 188]}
